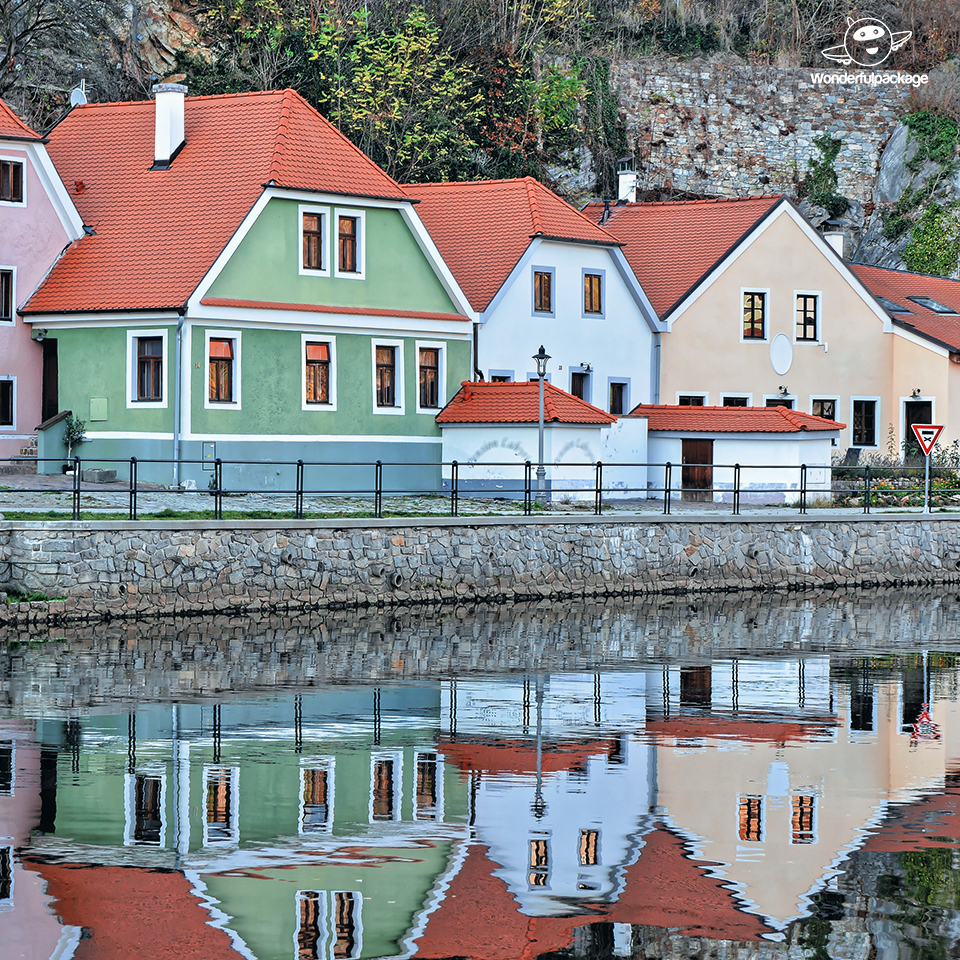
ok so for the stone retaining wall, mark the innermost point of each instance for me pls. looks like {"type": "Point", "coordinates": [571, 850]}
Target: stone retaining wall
{"type": "Point", "coordinates": [163, 567]}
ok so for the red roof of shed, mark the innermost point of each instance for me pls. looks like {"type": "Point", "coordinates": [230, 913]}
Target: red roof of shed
{"type": "Point", "coordinates": [12, 126]}
{"type": "Point", "coordinates": [519, 402]}
{"type": "Point", "coordinates": [731, 419]}
{"type": "Point", "coordinates": [483, 227]}
{"type": "Point", "coordinates": [157, 232]}
{"type": "Point", "coordinates": [672, 245]}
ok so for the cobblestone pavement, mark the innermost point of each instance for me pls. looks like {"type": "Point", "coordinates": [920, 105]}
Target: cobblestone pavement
{"type": "Point", "coordinates": [33, 493]}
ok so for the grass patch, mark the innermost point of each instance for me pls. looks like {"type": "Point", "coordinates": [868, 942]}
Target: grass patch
{"type": "Point", "coordinates": [14, 597]}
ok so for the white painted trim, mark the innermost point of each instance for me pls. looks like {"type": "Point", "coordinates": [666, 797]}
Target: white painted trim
{"type": "Point", "coordinates": [331, 342]}
{"type": "Point", "coordinates": [260, 437]}
{"type": "Point", "coordinates": [441, 375]}
{"type": "Point", "coordinates": [22, 159]}
{"type": "Point", "coordinates": [9, 428]}
{"type": "Point", "coordinates": [132, 369]}
{"type": "Point", "coordinates": [354, 213]}
{"type": "Point", "coordinates": [692, 393]}
{"type": "Point", "coordinates": [126, 435]}
{"type": "Point", "coordinates": [878, 421]}
{"type": "Point", "coordinates": [766, 314]}
{"type": "Point", "coordinates": [12, 322]}
{"type": "Point", "coordinates": [912, 336]}
{"type": "Point", "coordinates": [519, 269]}
{"type": "Point", "coordinates": [54, 322]}
{"type": "Point", "coordinates": [324, 214]}
{"type": "Point", "coordinates": [399, 382]}
{"type": "Point", "coordinates": [818, 342]}
{"type": "Point", "coordinates": [215, 334]}
{"type": "Point", "coordinates": [56, 191]}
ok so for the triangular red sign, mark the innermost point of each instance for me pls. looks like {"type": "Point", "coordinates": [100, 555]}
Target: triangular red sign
{"type": "Point", "coordinates": [927, 434]}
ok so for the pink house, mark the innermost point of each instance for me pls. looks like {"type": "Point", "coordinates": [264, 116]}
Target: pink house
{"type": "Point", "coordinates": [38, 221]}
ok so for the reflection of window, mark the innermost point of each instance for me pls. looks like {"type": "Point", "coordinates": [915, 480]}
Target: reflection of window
{"type": "Point", "coordinates": [6, 768]}
{"type": "Point", "coordinates": [386, 787]}
{"type": "Point", "coordinates": [539, 862]}
{"type": "Point", "coordinates": [751, 819]}
{"type": "Point", "coordinates": [149, 368]}
{"type": "Point", "coordinates": [345, 910]}
{"type": "Point", "coordinates": [318, 372]}
{"type": "Point", "coordinates": [11, 181]}
{"type": "Point", "coordinates": [801, 819]}
{"type": "Point", "coordinates": [221, 803]}
{"type": "Point", "coordinates": [328, 925]}
{"type": "Point", "coordinates": [589, 848]}
{"type": "Point", "coordinates": [426, 798]}
{"type": "Point", "coordinates": [148, 809]}
{"type": "Point", "coordinates": [221, 370]}
{"type": "Point", "coordinates": [316, 797]}
{"type": "Point", "coordinates": [861, 709]}
{"type": "Point", "coordinates": [429, 377]}
{"type": "Point", "coordinates": [6, 875]}
{"type": "Point", "coordinates": [754, 315]}
{"type": "Point", "coordinates": [386, 376]}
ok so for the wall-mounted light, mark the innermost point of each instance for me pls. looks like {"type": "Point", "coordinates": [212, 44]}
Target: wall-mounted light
{"type": "Point", "coordinates": [915, 394]}
{"type": "Point", "coordinates": [585, 367]}
{"type": "Point", "coordinates": [783, 391]}
{"type": "Point", "coordinates": [38, 335]}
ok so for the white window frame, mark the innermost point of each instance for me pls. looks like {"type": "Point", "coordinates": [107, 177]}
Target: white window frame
{"type": "Point", "coordinates": [10, 427]}
{"type": "Point", "coordinates": [318, 763]}
{"type": "Point", "coordinates": [360, 217]}
{"type": "Point", "coordinates": [214, 334]}
{"type": "Point", "coordinates": [234, 833]}
{"type": "Point", "coordinates": [12, 322]}
{"type": "Point", "coordinates": [332, 344]}
{"type": "Point", "coordinates": [877, 421]}
{"type": "Point", "coordinates": [692, 393]}
{"type": "Point", "coordinates": [737, 393]}
{"type": "Point", "coordinates": [823, 396]}
{"type": "Point", "coordinates": [326, 900]}
{"type": "Point", "coordinates": [23, 163]}
{"type": "Point", "coordinates": [438, 760]}
{"type": "Point", "coordinates": [809, 293]}
{"type": "Point", "coordinates": [766, 314]}
{"type": "Point", "coordinates": [324, 214]}
{"type": "Point", "coordinates": [441, 375]}
{"type": "Point", "coordinates": [397, 759]}
{"type": "Point", "coordinates": [133, 336]}
{"type": "Point", "coordinates": [129, 807]}
{"type": "Point", "coordinates": [399, 409]}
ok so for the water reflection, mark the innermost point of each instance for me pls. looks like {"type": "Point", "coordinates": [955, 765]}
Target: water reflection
{"type": "Point", "coordinates": [794, 796]}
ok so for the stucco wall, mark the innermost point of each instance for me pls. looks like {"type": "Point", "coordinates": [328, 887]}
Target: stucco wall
{"type": "Point", "coordinates": [164, 566]}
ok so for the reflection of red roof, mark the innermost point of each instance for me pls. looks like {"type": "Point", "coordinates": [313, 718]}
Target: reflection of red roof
{"type": "Point", "coordinates": [478, 918]}
{"type": "Point", "coordinates": [731, 419]}
{"type": "Point", "coordinates": [483, 227]}
{"type": "Point", "coordinates": [752, 729]}
{"type": "Point", "coordinates": [13, 127]}
{"type": "Point", "coordinates": [132, 912]}
{"type": "Point", "coordinates": [157, 232]}
{"type": "Point", "coordinates": [672, 245]}
{"type": "Point", "coordinates": [520, 756]}
{"type": "Point", "coordinates": [897, 285]}
{"type": "Point", "coordinates": [519, 402]}
{"type": "Point", "coordinates": [931, 821]}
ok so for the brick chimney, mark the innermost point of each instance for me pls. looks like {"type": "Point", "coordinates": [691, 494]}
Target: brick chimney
{"type": "Point", "coordinates": [168, 131]}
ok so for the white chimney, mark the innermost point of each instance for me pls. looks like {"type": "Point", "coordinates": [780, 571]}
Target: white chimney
{"type": "Point", "coordinates": [835, 239]}
{"type": "Point", "coordinates": [627, 180]}
{"type": "Point", "coordinates": [168, 132]}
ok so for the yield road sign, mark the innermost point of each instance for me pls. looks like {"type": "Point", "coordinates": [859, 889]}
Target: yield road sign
{"type": "Point", "coordinates": [927, 434]}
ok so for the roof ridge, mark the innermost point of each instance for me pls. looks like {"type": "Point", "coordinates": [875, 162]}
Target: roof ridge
{"type": "Point", "coordinates": [529, 185]}
{"type": "Point", "coordinates": [281, 139]}
{"type": "Point", "coordinates": [703, 200]}
{"type": "Point", "coordinates": [907, 273]}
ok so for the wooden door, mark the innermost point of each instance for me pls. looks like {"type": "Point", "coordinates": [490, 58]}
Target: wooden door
{"type": "Point", "coordinates": [696, 478]}
{"type": "Point", "coordinates": [915, 411]}
{"type": "Point", "coordinates": [50, 388]}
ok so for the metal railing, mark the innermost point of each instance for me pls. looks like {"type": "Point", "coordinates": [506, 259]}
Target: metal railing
{"type": "Point", "coordinates": [599, 485]}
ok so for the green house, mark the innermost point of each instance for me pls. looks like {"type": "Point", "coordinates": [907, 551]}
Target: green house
{"type": "Point", "coordinates": [250, 288]}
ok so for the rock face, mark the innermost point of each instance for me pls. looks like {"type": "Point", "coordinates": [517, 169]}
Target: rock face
{"type": "Point", "coordinates": [161, 30]}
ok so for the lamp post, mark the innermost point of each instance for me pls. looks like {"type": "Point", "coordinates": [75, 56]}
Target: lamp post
{"type": "Point", "coordinates": [542, 357]}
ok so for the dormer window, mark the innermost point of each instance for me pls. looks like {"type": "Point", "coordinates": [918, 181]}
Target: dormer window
{"type": "Point", "coordinates": [11, 181]}
{"type": "Point", "coordinates": [935, 305]}
{"type": "Point", "coordinates": [890, 306]}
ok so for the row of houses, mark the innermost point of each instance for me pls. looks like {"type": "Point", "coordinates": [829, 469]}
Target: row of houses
{"type": "Point", "coordinates": [229, 277]}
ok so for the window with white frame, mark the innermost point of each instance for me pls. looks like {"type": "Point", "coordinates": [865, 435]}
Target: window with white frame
{"type": "Point", "coordinates": [807, 314]}
{"type": "Point", "coordinates": [8, 402]}
{"type": "Point", "coordinates": [385, 787]}
{"type": "Point", "coordinates": [350, 260]}
{"type": "Point", "coordinates": [825, 407]}
{"type": "Point", "coordinates": [11, 181]}
{"type": "Point", "coordinates": [754, 314]}
{"type": "Point", "coordinates": [431, 377]}
{"type": "Point", "coordinates": [691, 399]}
{"type": "Point", "coordinates": [8, 300]}
{"type": "Point", "coordinates": [734, 399]}
{"type": "Point", "coordinates": [223, 368]}
{"type": "Point", "coordinates": [221, 822]}
{"type": "Point", "coordinates": [388, 376]}
{"type": "Point", "coordinates": [144, 809]}
{"type": "Point", "coordinates": [319, 369]}
{"type": "Point", "coordinates": [146, 368]}
{"type": "Point", "coordinates": [316, 796]}
{"type": "Point", "coordinates": [329, 925]}
{"type": "Point", "coordinates": [864, 422]}
{"type": "Point", "coordinates": [314, 230]}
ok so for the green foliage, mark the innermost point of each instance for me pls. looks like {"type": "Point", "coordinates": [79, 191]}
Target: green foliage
{"type": "Point", "coordinates": [604, 129]}
{"type": "Point", "coordinates": [14, 596]}
{"type": "Point", "coordinates": [934, 245]}
{"type": "Point", "coordinates": [936, 137]}
{"type": "Point", "coordinates": [73, 432]}
{"type": "Point", "coordinates": [819, 185]}
{"type": "Point", "coordinates": [931, 877]}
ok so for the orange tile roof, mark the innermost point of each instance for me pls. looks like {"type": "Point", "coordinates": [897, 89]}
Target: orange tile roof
{"type": "Point", "coordinates": [519, 402]}
{"type": "Point", "coordinates": [483, 227]}
{"type": "Point", "coordinates": [897, 285]}
{"type": "Point", "coordinates": [11, 126]}
{"type": "Point", "coordinates": [671, 245]}
{"type": "Point", "coordinates": [731, 419]}
{"type": "Point", "coordinates": [157, 232]}
{"type": "Point", "coordinates": [520, 756]}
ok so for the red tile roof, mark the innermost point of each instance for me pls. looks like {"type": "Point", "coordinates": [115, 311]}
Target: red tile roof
{"type": "Point", "coordinates": [483, 227]}
{"type": "Point", "coordinates": [157, 232]}
{"type": "Point", "coordinates": [672, 245]}
{"type": "Point", "coordinates": [519, 403]}
{"type": "Point", "coordinates": [897, 285]}
{"type": "Point", "coordinates": [12, 126]}
{"type": "Point", "coordinates": [731, 419]}
{"type": "Point", "coordinates": [520, 756]}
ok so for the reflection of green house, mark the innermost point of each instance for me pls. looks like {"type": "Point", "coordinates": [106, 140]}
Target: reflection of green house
{"type": "Point", "coordinates": [254, 289]}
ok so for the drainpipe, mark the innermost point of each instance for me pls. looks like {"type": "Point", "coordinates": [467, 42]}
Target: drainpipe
{"type": "Point", "coordinates": [477, 372]}
{"type": "Point", "coordinates": [177, 364]}
{"type": "Point", "coordinates": [655, 369]}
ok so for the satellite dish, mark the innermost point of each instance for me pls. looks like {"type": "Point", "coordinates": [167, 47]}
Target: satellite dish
{"type": "Point", "coordinates": [77, 97]}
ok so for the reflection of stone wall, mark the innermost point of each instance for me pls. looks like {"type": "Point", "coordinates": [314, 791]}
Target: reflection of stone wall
{"type": "Point", "coordinates": [121, 569]}
{"type": "Point", "coordinates": [173, 658]}
{"type": "Point", "coordinates": [734, 129]}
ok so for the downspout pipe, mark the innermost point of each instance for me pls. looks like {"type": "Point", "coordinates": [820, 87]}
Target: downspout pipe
{"type": "Point", "coordinates": [655, 369]}
{"type": "Point", "coordinates": [177, 399]}
{"type": "Point", "coordinates": [477, 372]}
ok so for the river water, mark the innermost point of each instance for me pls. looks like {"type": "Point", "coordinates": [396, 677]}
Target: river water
{"type": "Point", "coordinates": [739, 777]}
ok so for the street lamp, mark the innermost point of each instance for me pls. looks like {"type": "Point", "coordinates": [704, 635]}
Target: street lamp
{"type": "Point", "coordinates": [542, 357]}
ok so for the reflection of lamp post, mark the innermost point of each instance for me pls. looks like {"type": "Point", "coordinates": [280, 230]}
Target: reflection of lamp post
{"type": "Point", "coordinates": [542, 357]}
{"type": "Point", "coordinates": [539, 806]}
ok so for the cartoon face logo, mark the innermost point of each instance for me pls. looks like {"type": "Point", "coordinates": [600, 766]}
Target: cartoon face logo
{"type": "Point", "coordinates": [867, 42]}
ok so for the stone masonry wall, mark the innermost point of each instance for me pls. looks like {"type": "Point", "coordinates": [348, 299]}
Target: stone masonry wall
{"type": "Point", "coordinates": [734, 129]}
{"type": "Point", "coordinates": [110, 569]}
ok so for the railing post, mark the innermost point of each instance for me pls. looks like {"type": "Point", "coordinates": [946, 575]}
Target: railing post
{"type": "Point", "coordinates": [133, 488]}
{"type": "Point", "coordinates": [667, 482]}
{"type": "Point", "coordinates": [866, 489]}
{"type": "Point", "coordinates": [218, 489]}
{"type": "Point", "coordinates": [378, 490]}
{"type": "Point", "coordinates": [736, 489]}
{"type": "Point", "coordinates": [803, 488]}
{"type": "Point", "coordinates": [454, 488]}
{"type": "Point", "coordinates": [298, 507]}
{"type": "Point", "coordinates": [598, 501]}
{"type": "Point", "coordinates": [76, 488]}
{"type": "Point", "coordinates": [527, 488]}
